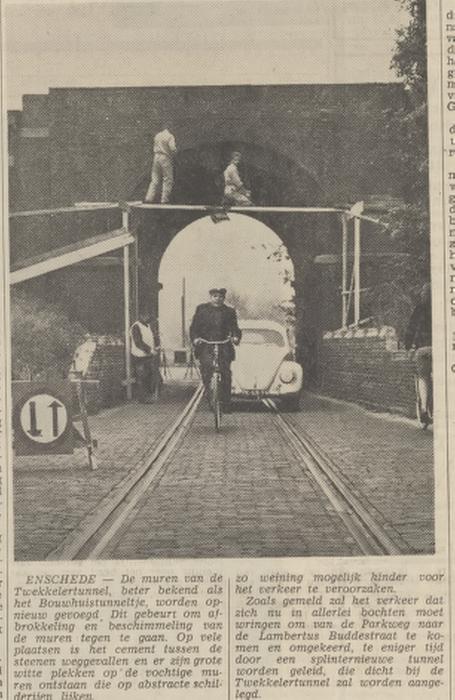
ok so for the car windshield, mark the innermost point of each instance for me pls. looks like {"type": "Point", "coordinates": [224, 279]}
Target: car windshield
{"type": "Point", "coordinates": [262, 336]}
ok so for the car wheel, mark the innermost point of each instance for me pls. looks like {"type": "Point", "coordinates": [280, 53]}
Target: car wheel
{"type": "Point", "coordinates": [290, 404]}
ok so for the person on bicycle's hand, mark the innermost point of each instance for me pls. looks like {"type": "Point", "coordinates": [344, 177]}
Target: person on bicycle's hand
{"type": "Point", "coordinates": [418, 337]}
{"type": "Point", "coordinates": [215, 321]}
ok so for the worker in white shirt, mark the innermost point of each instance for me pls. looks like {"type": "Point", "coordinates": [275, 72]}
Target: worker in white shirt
{"type": "Point", "coordinates": [235, 192]}
{"type": "Point", "coordinates": [145, 357]}
{"type": "Point", "coordinates": [164, 149]}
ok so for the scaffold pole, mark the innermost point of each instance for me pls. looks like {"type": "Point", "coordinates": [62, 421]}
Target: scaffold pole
{"type": "Point", "coordinates": [126, 309]}
{"type": "Point", "coordinates": [356, 271]}
{"type": "Point", "coordinates": [344, 271]}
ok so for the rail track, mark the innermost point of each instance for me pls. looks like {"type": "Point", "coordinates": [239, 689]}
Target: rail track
{"type": "Point", "coordinates": [370, 535]}
{"type": "Point", "coordinates": [97, 531]}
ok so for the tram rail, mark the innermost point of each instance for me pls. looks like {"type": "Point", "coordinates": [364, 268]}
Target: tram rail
{"type": "Point", "coordinates": [370, 535]}
{"type": "Point", "coordinates": [96, 531]}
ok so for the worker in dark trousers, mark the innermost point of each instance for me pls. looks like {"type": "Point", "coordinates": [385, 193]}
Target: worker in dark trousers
{"type": "Point", "coordinates": [145, 357]}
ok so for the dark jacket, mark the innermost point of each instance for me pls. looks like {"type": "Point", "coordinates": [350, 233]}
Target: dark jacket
{"type": "Point", "coordinates": [214, 323]}
{"type": "Point", "coordinates": [418, 333]}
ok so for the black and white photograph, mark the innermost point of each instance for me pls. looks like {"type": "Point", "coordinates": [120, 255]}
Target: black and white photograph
{"type": "Point", "coordinates": [220, 282]}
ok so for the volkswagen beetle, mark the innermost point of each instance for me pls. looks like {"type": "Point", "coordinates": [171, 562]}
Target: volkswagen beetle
{"type": "Point", "coordinates": [265, 367]}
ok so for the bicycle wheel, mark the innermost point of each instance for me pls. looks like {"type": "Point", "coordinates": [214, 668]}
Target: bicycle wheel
{"type": "Point", "coordinates": [216, 403]}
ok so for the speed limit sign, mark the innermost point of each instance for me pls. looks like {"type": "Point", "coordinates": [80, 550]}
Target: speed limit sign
{"type": "Point", "coordinates": [42, 418]}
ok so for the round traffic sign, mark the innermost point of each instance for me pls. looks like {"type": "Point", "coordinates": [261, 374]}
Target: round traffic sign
{"type": "Point", "coordinates": [43, 418]}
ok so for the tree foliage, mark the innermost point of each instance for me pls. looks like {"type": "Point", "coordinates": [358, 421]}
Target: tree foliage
{"type": "Point", "coordinates": [409, 224]}
{"type": "Point", "coordinates": [409, 58]}
{"type": "Point", "coordinates": [43, 339]}
{"type": "Point", "coordinates": [249, 308]}
{"type": "Point", "coordinates": [410, 64]}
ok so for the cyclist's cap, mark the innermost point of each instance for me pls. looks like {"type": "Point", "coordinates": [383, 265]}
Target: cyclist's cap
{"type": "Point", "coordinates": [218, 290]}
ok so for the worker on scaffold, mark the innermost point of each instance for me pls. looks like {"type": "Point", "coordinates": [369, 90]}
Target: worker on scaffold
{"type": "Point", "coordinates": [235, 192]}
{"type": "Point", "coordinates": [164, 150]}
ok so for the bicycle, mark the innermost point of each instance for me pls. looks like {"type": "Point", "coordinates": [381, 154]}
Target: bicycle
{"type": "Point", "coordinates": [215, 380]}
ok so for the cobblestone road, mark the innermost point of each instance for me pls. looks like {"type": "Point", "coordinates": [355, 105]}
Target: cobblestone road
{"type": "Point", "coordinates": [52, 494]}
{"type": "Point", "coordinates": [388, 459]}
{"type": "Point", "coordinates": [238, 493]}
{"type": "Point", "coordinates": [241, 493]}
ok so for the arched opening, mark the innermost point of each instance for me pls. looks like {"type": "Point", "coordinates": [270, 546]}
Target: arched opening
{"type": "Point", "coordinates": [274, 180]}
{"type": "Point", "coordinates": [243, 255]}
{"type": "Point", "coordinates": [303, 235]}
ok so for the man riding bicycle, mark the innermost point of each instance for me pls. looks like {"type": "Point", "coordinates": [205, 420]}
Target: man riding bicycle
{"type": "Point", "coordinates": [418, 336]}
{"type": "Point", "coordinates": [215, 321]}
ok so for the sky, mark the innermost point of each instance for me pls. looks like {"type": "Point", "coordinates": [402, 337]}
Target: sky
{"type": "Point", "coordinates": [86, 44]}
{"type": "Point", "coordinates": [199, 253]}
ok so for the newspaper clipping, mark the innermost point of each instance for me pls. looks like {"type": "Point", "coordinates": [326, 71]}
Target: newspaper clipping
{"type": "Point", "coordinates": [226, 431]}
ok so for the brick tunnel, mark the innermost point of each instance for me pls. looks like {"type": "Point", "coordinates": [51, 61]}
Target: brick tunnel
{"type": "Point", "coordinates": [274, 180]}
{"type": "Point", "coordinates": [313, 145]}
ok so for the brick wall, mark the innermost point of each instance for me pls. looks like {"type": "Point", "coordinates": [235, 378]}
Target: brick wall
{"type": "Point", "coordinates": [101, 360]}
{"type": "Point", "coordinates": [99, 140]}
{"type": "Point", "coordinates": [365, 366]}
{"type": "Point", "coordinates": [362, 365]}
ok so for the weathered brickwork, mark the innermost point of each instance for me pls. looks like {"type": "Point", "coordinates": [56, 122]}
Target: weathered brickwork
{"type": "Point", "coordinates": [312, 141]}
{"type": "Point", "coordinates": [365, 366]}
{"type": "Point", "coordinates": [303, 145]}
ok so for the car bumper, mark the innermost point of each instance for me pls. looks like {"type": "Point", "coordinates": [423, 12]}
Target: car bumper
{"type": "Point", "coordinates": [275, 389]}
{"type": "Point", "coordinates": [259, 394]}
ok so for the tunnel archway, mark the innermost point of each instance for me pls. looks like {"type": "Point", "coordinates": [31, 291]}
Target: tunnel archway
{"type": "Point", "coordinates": [276, 181]}
{"type": "Point", "coordinates": [239, 254]}
{"type": "Point", "coordinates": [299, 234]}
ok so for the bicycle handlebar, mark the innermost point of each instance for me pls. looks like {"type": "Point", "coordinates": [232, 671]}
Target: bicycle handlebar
{"type": "Point", "coordinates": [215, 342]}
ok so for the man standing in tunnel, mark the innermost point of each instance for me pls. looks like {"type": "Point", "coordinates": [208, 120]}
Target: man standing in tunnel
{"type": "Point", "coordinates": [164, 149]}
{"type": "Point", "coordinates": [145, 354]}
{"type": "Point", "coordinates": [215, 321]}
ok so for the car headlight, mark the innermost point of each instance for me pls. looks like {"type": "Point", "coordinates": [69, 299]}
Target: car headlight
{"type": "Point", "coordinates": [287, 375]}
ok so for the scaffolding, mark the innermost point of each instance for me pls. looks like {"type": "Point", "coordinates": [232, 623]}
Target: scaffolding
{"type": "Point", "coordinates": [350, 287]}
{"type": "Point", "coordinates": [123, 238]}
